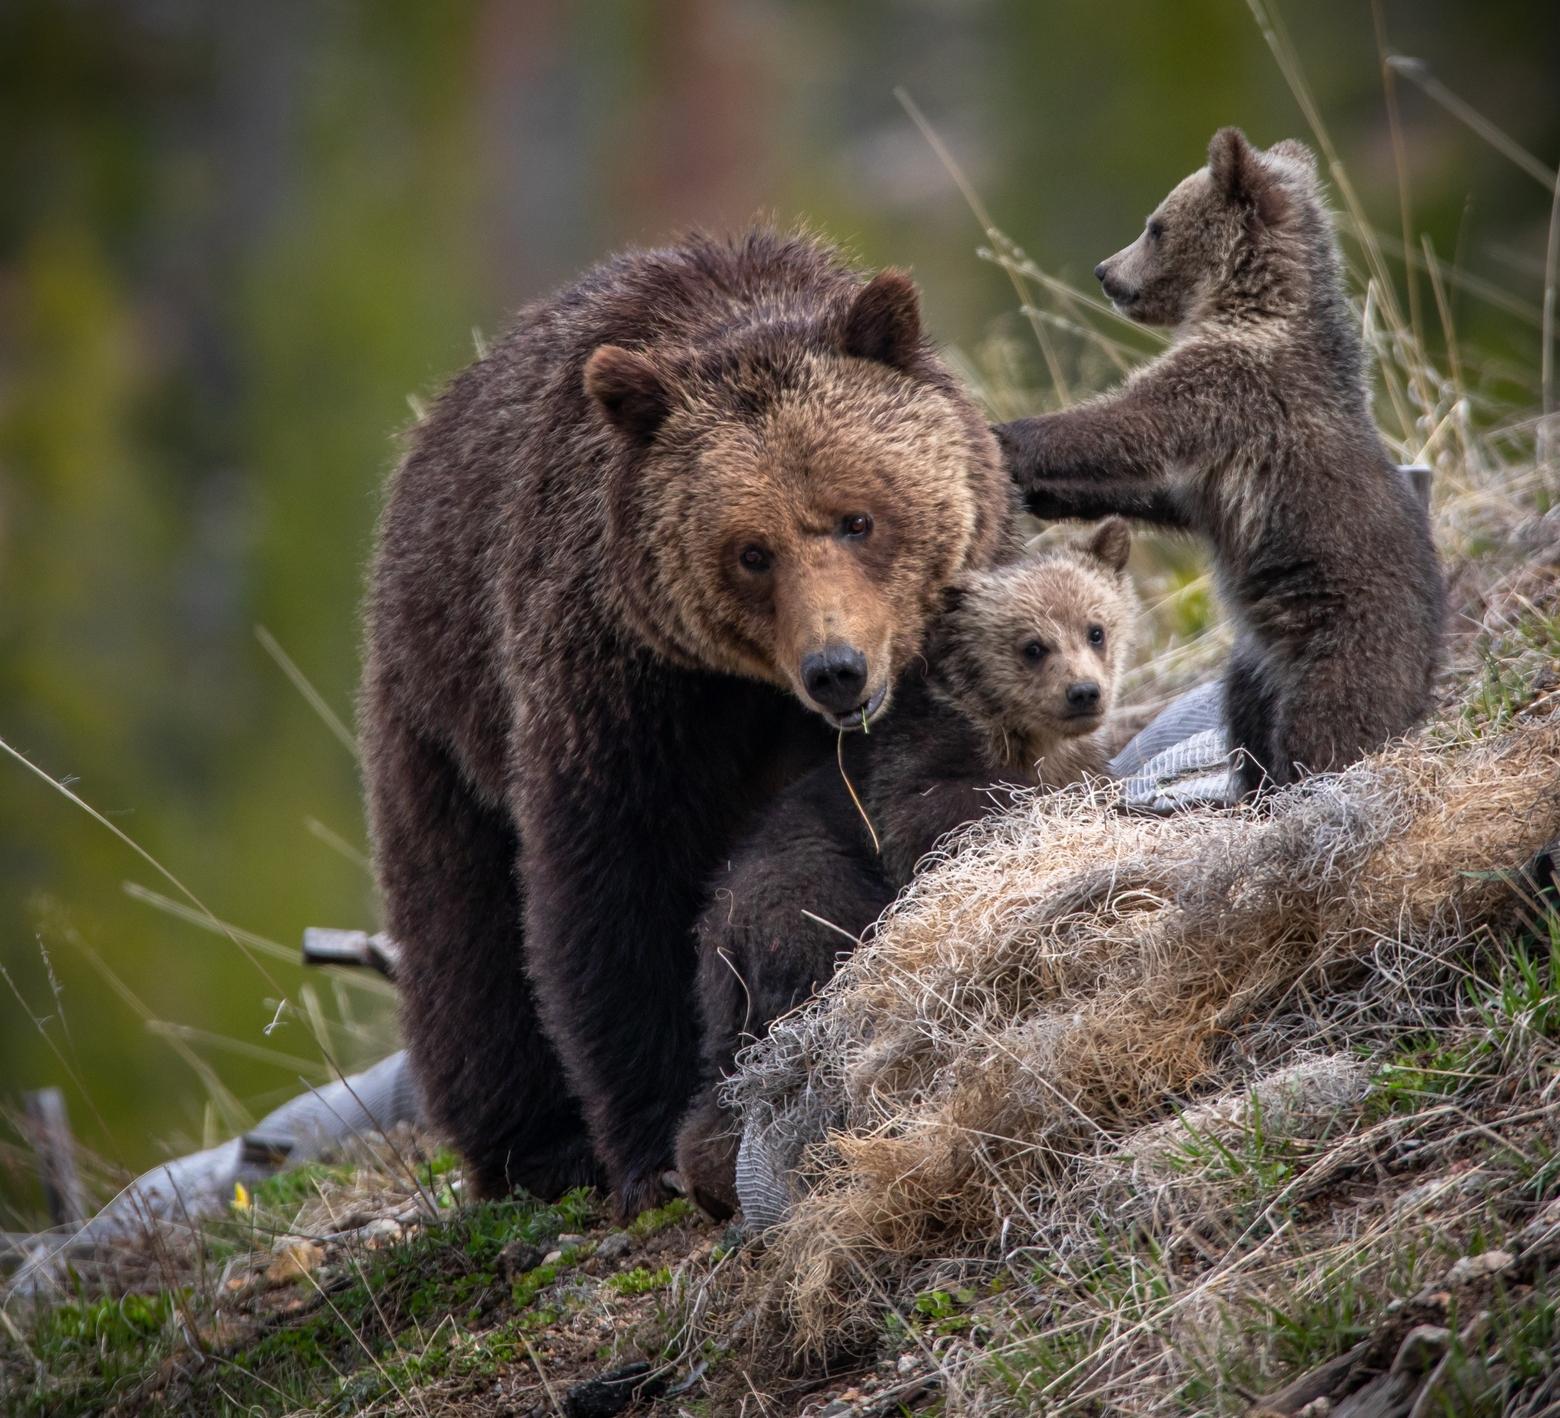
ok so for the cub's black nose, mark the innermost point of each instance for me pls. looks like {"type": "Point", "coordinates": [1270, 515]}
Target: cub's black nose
{"type": "Point", "coordinates": [1083, 696]}
{"type": "Point", "coordinates": [835, 678]}
{"type": "Point", "coordinates": [1099, 273]}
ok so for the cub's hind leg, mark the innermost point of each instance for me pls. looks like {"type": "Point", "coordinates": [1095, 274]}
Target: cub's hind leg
{"type": "Point", "coordinates": [1253, 705]}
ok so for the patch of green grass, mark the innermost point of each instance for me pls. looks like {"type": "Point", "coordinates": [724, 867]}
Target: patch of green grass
{"type": "Point", "coordinates": [658, 1219]}
{"type": "Point", "coordinates": [639, 1281]}
{"type": "Point", "coordinates": [289, 1190]}
{"type": "Point", "coordinates": [1127, 1284]}
{"type": "Point", "coordinates": [1514, 668]}
{"type": "Point", "coordinates": [91, 1351]}
{"type": "Point", "coordinates": [391, 1304]}
{"type": "Point", "coordinates": [1520, 1005]}
{"type": "Point", "coordinates": [1250, 1156]}
{"type": "Point", "coordinates": [1424, 1072]}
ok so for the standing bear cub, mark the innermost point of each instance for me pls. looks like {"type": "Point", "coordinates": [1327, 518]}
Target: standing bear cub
{"type": "Point", "coordinates": [1255, 430]}
{"type": "Point", "coordinates": [684, 518]}
{"type": "Point", "coordinates": [1020, 676]}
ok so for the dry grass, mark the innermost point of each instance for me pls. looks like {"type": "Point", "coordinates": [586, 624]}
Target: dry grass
{"type": "Point", "coordinates": [1098, 1091]}
{"type": "Point", "coordinates": [1070, 972]}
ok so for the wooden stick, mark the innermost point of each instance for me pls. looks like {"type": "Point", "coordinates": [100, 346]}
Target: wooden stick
{"type": "Point", "coordinates": [50, 1131]}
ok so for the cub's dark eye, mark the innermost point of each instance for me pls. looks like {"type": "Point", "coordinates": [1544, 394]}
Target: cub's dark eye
{"type": "Point", "coordinates": [754, 558]}
{"type": "Point", "coordinates": [1156, 229]}
{"type": "Point", "coordinates": [1096, 635]}
{"type": "Point", "coordinates": [1035, 651]}
{"type": "Point", "coordinates": [858, 524]}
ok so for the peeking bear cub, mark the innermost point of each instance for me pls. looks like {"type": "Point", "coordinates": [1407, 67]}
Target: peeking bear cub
{"type": "Point", "coordinates": [1021, 671]}
{"type": "Point", "coordinates": [1254, 429]}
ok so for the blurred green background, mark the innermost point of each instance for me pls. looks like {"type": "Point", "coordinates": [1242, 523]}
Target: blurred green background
{"type": "Point", "coordinates": [236, 240]}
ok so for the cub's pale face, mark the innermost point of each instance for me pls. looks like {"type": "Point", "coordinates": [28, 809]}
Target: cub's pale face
{"type": "Point", "coordinates": [1051, 644]}
{"type": "Point", "coordinates": [1032, 653]}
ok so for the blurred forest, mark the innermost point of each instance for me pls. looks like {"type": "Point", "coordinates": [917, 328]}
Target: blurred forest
{"type": "Point", "coordinates": [236, 241]}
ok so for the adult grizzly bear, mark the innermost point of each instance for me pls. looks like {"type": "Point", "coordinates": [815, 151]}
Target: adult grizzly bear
{"type": "Point", "coordinates": [686, 517]}
{"type": "Point", "coordinates": [1021, 672]}
{"type": "Point", "coordinates": [1254, 428]}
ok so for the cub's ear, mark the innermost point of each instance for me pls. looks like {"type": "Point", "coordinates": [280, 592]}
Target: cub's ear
{"type": "Point", "coordinates": [1240, 177]}
{"type": "Point", "coordinates": [884, 320]}
{"type": "Point", "coordinates": [1295, 151]}
{"type": "Point", "coordinates": [1111, 543]}
{"type": "Point", "coordinates": [630, 390]}
{"type": "Point", "coordinates": [940, 632]}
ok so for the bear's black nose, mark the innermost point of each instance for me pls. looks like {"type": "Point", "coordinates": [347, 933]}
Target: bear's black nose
{"type": "Point", "coordinates": [1099, 273]}
{"type": "Point", "coordinates": [1083, 696]}
{"type": "Point", "coordinates": [835, 677]}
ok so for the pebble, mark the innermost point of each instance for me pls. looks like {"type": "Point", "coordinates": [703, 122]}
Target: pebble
{"type": "Point", "coordinates": [517, 1258]}
{"type": "Point", "coordinates": [1421, 1347]}
{"type": "Point", "coordinates": [1477, 1267]}
{"type": "Point", "coordinates": [382, 1231]}
{"type": "Point", "coordinates": [619, 1243]}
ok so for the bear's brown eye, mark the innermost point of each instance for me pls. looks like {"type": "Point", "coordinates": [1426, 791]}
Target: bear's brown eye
{"type": "Point", "coordinates": [754, 558]}
{"type": "Point", "coordinates": [858, 524]}
{"type": "Point", "coordinates": [1096, 635]}
{"type": "Point", "coordinates": [1034, 652]}
{"type": "Point", "coordinates": [1156, 229]}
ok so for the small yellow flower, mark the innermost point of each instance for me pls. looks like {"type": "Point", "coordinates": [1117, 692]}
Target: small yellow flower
{"type": "Point", "coordinates": [241, 1198]}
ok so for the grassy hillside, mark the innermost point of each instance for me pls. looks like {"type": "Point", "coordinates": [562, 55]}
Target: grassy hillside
{"type": "Point", "coordinates": [1242, 1112]}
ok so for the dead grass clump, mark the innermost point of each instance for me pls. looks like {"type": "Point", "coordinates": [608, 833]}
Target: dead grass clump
{"type": "Point", "coordinates": [1071, 972]}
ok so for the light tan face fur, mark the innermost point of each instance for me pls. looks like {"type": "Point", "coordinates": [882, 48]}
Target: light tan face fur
{"type": "Point", "coordinates": [1026, 646]}
{"type": "Point", "coordinates": [755, 528]}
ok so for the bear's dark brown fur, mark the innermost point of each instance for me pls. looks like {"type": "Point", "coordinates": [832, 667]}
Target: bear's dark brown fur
{"type": "Point", "coordinates": [1021, 670]}
{"type": "Point", "coordinates": [1254, 429]}
{"type": "Point", "coordinates": [697, 494]}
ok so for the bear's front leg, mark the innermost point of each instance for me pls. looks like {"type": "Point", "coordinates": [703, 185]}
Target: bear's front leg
{"type": "Point", "coordinates": [1085, 463]}
{"type": "Point", "coordinates": [612, 871]}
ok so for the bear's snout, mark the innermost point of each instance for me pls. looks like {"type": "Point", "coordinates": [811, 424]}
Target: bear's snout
{"type": "Point", "coordinates": [835, 678]}
{"type": "Point", "coordinates": [1083, 697]}
{"type": "Point", "coordinates": [1117, 289]}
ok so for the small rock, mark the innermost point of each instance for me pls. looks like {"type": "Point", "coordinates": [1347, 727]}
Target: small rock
{"type": "Point", "coordinates": [1422, 1346]}
{"type": "Point", "coordinates": [294, 1261]}
{"type": "Point", "coordinates": [619, 1243]}
{"type": "Point", "coordinates": [517, 1258]}
{"type": "Point", "coordinates": [569, 1240]}
{"type": "Point", "coordinates": [1316, 1408]}
{"type": "Point", "coordinates": [382, 1231]}
{"type": "Point", "coordinates": [611, 1393]}
{"type": "Point", "coordinates": [906, 1365]}
{"type": "Point", "coordinates": [1477, 1267]}
{"type": "Point", "coordinates": [552, 1257]}
{"type": "Point", "coordinates": [1443, 1188]}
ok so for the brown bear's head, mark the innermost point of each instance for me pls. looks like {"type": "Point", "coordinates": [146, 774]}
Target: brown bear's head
{"type": "Point", "coordinates": [1243, 228]}
{"type": "Point", "coordinates": [796, 496]}
{"type": "Point", "coordinates": [1031, 653]}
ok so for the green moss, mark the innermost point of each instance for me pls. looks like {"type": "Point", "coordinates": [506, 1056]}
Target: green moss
{"type": "Point", "coordinates": [658, 1219]}
{"type": "Point", "coordinates": [639, 1281]}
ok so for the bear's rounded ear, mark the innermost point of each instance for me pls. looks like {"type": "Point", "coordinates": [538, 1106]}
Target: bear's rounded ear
{"type": "Point", "coordinates": [1295, 151]}
{"type": "Point", "coordinates": [630, 390]}
{"type": "Point", "coordinates": [1240, 177]}
{"type": "Point", "coordinates": [1234, 165]}
{"type": "Point", "coordinates": [884, 320]}
{"type": "Point", "coordinates": [1111, 543]}
{"type": "Point", "coordinates": [940, 633]}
